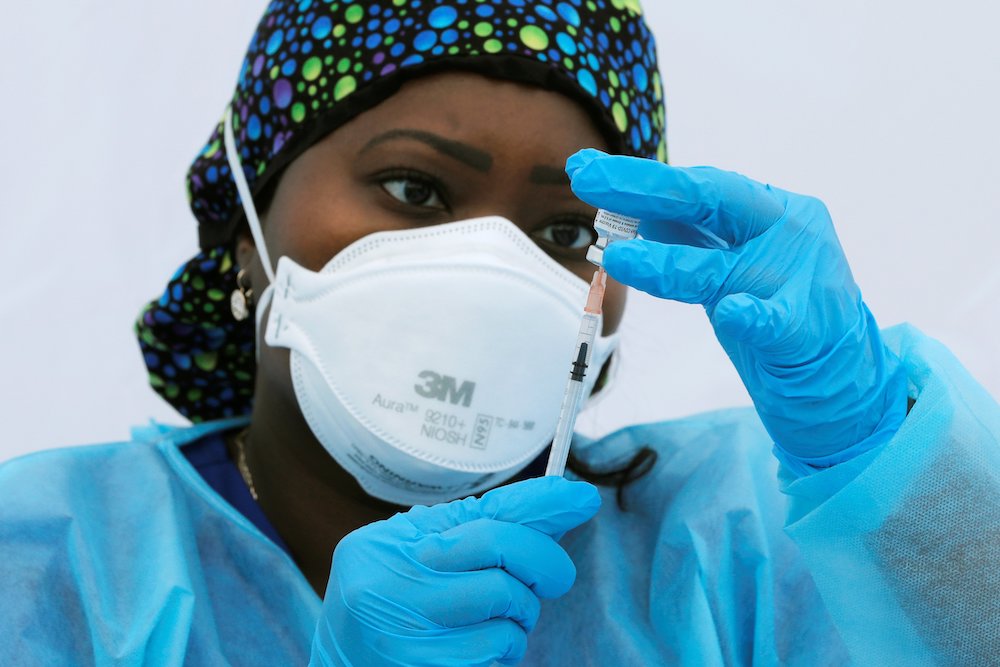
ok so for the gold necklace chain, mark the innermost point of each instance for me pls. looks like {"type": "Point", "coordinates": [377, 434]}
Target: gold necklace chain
{"type": "Point", "coordinates": [241, 461]}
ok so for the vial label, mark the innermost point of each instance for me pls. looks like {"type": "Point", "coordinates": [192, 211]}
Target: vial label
{"type": "Point", "coordinates": [622, 226]}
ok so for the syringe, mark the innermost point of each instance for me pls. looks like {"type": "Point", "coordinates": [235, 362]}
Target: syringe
{"type": "Point", "coordinates": [574, 389]}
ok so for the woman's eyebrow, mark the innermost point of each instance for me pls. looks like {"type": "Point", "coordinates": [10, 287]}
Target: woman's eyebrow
{"type": "Point", "coordinates": [472, 157]}
{"type": "Point", "coordinates": [545, 175]}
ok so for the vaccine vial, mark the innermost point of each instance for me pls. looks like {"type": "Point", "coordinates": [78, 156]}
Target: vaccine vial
{"type": "Point", "coordinates": [610, 227]}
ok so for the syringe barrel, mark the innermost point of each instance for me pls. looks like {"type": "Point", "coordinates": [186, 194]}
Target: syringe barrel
{"type": "Point", "coordinates": [589, 326]}
{"type": "Point", "coordinates": [564, 430]}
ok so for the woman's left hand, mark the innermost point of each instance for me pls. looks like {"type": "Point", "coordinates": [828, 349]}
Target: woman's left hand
{"type": "Point", "coordinates": [768, 268]}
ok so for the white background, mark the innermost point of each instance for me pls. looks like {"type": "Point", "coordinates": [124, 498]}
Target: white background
{"type": "Point", "coordinates": [888, 111]}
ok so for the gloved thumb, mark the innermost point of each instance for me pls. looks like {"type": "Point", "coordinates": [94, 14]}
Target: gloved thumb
{"type": "Point", "coordinates": [749, 320]}
{"type": "Point", "coordinates": [551, 505]}
{"type": "Point", "coordinates": [678, 272]}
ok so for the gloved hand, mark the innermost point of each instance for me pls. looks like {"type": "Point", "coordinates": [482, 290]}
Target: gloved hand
{"type": "Point", "coordinates": [768, 268]}
{"type": "Point", "coordinates": [453, 584]}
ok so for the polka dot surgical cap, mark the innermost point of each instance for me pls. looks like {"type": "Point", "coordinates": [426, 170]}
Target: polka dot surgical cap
{"type": "Point", "coordinates": [311, 66]}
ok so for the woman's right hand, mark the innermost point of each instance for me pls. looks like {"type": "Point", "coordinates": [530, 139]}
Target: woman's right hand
{"type": "Point", "coordinates": [453, 584]}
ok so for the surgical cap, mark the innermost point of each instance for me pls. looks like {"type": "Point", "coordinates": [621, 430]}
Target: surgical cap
{"type": "Point", "coordinates": [312, 66]}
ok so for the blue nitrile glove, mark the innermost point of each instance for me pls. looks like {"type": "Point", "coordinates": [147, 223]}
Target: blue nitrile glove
{"type": "Point", "coordinates": [768, 268]}
{"type": "Point", "coordinates": [453, 584]}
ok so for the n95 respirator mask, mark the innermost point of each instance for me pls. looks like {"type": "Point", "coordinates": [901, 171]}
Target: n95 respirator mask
{"type": "Point", "coordinates": [430, 363]}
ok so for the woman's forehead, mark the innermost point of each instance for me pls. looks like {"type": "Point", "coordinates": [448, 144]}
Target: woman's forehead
{"type": "Point", "coordinates": [477, 109]}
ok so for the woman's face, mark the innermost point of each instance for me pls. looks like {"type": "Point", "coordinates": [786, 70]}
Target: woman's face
{"type": "Point", "coordinates": [444, 148]}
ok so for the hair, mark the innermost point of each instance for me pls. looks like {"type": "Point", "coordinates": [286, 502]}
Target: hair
{"type": "Point", "coordinates": [636, 467]}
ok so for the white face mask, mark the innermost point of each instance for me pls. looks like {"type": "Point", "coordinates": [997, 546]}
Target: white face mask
{"type": "Point", "coordinates": [431, 362]}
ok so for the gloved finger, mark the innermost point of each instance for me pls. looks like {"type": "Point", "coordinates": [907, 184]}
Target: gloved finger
{"type": "Point", "coordinates": [498, 640]}
{"type": "Point", "coordinates": [468, 598]}
{"type": "Point", "coordinates": [552, 505]}
{"type": "Point", "coordinates": [728, 205]}
{"type": "Point", "coordinates": [678, 272]}
{"type": "Point", "coordinates": [532, 557]}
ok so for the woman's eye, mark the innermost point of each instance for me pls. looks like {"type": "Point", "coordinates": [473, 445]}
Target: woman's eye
{"type": "Point", "coordinates": [567, 235]}
{"type": "Point", "coordinates": [413, 192]}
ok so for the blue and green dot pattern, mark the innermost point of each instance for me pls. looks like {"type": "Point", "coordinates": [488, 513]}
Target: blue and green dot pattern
{"type": "Point", "coordinates": [199, 358]}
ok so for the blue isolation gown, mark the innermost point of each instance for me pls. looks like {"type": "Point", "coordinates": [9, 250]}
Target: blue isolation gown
{"type": "Point", "coordinates": [123, 554]}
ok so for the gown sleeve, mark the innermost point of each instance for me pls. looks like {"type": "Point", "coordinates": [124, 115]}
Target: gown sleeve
{"type": "Point", "coordinates": [904, 542]}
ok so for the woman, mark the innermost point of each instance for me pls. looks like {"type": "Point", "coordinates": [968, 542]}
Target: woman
{"type": "Point", "coordinates": [392, 350]}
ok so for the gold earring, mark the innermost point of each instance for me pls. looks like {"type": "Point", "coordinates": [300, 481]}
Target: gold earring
{"type": "Point", "coordinates": [241, 300]}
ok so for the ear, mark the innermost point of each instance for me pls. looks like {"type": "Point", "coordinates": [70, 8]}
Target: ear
{"type": "Point", "coordinates": [245, 251]}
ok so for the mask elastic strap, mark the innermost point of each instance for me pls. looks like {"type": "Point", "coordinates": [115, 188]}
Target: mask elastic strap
{"type": "Point", "coordinates": [245, 198]}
